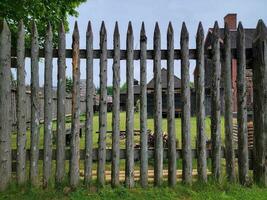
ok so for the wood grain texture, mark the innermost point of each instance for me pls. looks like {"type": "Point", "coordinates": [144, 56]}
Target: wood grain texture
{"type": "Point", "coordinates": [61, 96]}
{"type": "Point", "coordinates": [186, 110]}
{"type": "Point", "coordinates": [21, 109]}
{"type": "Point", "coordinates": [90, 90]}
{"type": "Point", "coordinates": [75, 112]}
{"type": "Point", "coordinates": [5, 106]}
{"type": "Point", "coordinates": [243, 164]}
{"type": "Point", "coordinates": [116, 110]}
{"type": "Point", "coordinates": [200, 107]}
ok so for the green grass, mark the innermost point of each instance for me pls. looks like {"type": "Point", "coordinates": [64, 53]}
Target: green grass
{"type": "Point", "coordinates": [198, 191]}
{"type": "Point", "coordinates": [150, 125]}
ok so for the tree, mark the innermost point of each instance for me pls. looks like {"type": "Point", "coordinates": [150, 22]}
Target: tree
{"type": "Point", "coordinates": [42, 11]}
{"type": "Point", "coordinates": [123, 87]}
{"type": "Point", "coordinates": [69, 84]}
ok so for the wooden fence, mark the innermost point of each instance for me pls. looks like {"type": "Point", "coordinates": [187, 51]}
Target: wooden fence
{"type": "Point", "coordinates": [220, 53]}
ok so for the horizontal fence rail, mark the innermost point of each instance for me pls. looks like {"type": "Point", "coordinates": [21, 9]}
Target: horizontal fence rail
{"type": "Point", "coordinates": [220, 56]}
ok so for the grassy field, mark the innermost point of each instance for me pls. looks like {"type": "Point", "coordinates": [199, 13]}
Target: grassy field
{"type": "Point", "coordinates": [150, 125]}
{"type": "Point", "coordinates": [197, 191]}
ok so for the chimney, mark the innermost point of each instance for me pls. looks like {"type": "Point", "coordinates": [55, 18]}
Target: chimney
{"type": "Point", "coordinates": [230, 19]}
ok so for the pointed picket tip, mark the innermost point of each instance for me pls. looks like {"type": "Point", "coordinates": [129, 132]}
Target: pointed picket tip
{"type": "Point", "coordinates": [184, 32]}
{"type": "Point", "coordinates": [170, 29]}
{"type": "Point", "coordinates": [34, 28]}
{"type": "Point", "coordinates": [116, 30]}
{"type": "Point", "coordinates": [49, 28]}
{"type": "Point", "coordinates": [260, 30]}
{"type": "Point", "coordinates": [103, 30]}
{"type": "Point", "coordinates": [226, 29]}
{"type": "Point", "coordinates": [143, 29]}
{"type": "Point", "coordinates": [240, 27]}
{"type": "Point", "coordinates": [89, 30]}
{"type": "Point", "coordinates": [61, 27]}
{"type": "Point", "coordinates": [156, 30]}
{"type": "Point", "coordinates": [200, 32]}
{"type": "Point", "coordinates": [21, 25]}
{"type": "Point", "coordinates": [4, 27]}
{"type": "Point", "coordinates": [130, 28]}
{"type": "Point", "coordinates": [76, 30]}
{"type": "Point", "coordinates": [216, 28]}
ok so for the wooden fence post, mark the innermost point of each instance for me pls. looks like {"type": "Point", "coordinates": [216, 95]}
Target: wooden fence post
{"type": "Point", "coordinates": [5, 105]}
{"type": "Point", "coordinates": [35, 106]}
{"type": "Point", "coordinates": [129, 176]}
{"type": "Point", "coordinates": [61, 98]}
{"type": "Point", "coordinates": [260, 103]}
{"type": "Point", "coordinates": [243, 164]}
{"type": "Point", "coordinates": [200, 99]}
{"type": "Point", "coordinates": [88, 161]}
{"type": "Point", "coordinates": [171, 108]}
{"type": "Point", "coordinates": [116, 110]}
{"type": "Point", "coordinates": [143, 108]}
{"type": "Point", "coordinates": [186, 114]}
{"type": "Point", "coordinates": [158, 147]}
{"type": "Point", "coordinates": [75, 114]}
{"type": "Point", "coordinates": [103, 107]}
{"type": "Point", "coordinates": [47, 163]}
{"type": "Point", "coordinates": [216, 105]}
{"type": "Point", "coordinates": [228, 112]}
{"type": "Point", "coordinates": [21, 108]}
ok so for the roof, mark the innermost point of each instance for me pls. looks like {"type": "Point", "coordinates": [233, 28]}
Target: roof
{"type": "Point", "coordinates": [177, 81]}
{"type": "Point", "coordinates": [249, 35]}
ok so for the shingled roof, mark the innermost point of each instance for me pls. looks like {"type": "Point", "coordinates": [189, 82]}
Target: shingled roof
{"type": "Point", "coordinates": [177, 81]}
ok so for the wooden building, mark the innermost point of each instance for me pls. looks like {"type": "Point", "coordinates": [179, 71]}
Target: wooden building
{"type": "Point", "coordinates": [123, 96]}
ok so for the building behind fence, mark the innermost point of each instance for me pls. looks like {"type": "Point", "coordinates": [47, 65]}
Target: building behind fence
{"type": "Point", "coordinates": [101, 155]}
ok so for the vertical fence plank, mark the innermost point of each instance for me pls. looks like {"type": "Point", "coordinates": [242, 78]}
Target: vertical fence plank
{"type": "Point", "coordinates": [5, 106]}
{"type": "Point", "coordinates": [89, 106]}
{"type": "Point", "coordinates": [35, 107]}
{"type": "Point", "coordinates": [75, 114]}
{"type": "Point", "coordinates": [116, 110]}
{"type": "Point", "coordinates": [61, 96]}
{"type": "Point", "coordinates": [242, 106]}
{"type": "Point", "coordinates": [158, 148]}
{"type": "Point", "coordinates": [143, 108]}
{"type": "Point", "coordinates": [129, 176]}
{"type": "Point", "coordinates": [47, 164]}
{"type": "Point", "coordinates": [228, 112]}
{"type": "Point", "coordinates": [260, 104]}
{"type": "Point", "coordinates": [103, 107]}
{"type": "Point", "coordinates": [216, 105]}
{"type": "Point", "coordinates": [200, 99]}
{"type": "Point", "coordinates": [171, 108]}
{"type": "Point", "coordinates": [186, 138]}
{"type": "Point", "coordinates": [21, 109]}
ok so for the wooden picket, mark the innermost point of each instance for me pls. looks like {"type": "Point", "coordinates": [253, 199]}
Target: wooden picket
{"type": "Point", "coordinates": [220, 53]}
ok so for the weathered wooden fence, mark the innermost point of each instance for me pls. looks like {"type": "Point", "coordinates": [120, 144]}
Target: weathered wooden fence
{"type": "Point", "coordinates": [220, 53]}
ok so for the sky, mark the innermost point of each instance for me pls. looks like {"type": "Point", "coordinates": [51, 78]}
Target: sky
{"type": "Point", "coordinates": [151, 11]}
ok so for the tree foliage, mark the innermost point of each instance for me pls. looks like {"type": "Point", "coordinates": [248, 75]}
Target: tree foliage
{"type": "Point", "coordinates": [69, 84]}
{"type": "Point", "coordinates": [42, 11]}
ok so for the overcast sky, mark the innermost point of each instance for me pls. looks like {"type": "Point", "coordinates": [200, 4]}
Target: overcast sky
{"type": "Point", "coordinates": [150, 11]}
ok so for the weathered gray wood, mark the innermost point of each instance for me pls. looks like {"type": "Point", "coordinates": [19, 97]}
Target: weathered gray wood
{"type": "Point", "coordinates": [243, 164]}
{"type": "Point", "coordinates": [260, 104]}
{"type": "Point", "coordinates": [103, 107]}
{"type": "Point", "coordinates": [61, 96]}
{"type": "Point", "coordinates": [171, 109]}
{"type": "Point", "coordinates": [35, 106]}
{"type": "Point", "coordinates": [75, 114]}
{"type": "Point", "coordinates": [186, 138]}
{"type": "Point", "coordinates": [129, 176]}
{"type": "Point", "coordinates": [143, 108]}
{"type": "Point", "coordinates": [5, 106]}
{"type": "Point", "coordinates": [115, 181]}
{"type": "Point", "coordinates": [216, 105]}
{"type": "Point", "coordinates": [228, 116]}
{"type": "Point", "coordinates": [200, 107]}
{"type": "Point", "coordinates": [21, 109]}
{"type": "Point", "coordinates": [110, 54]}
{"type": "Point", "coordinates": [158, 161]}
{"type": "Point", "coordinates": [89, 107]}
{"type": "Point", "coordinates": [47, 164]}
